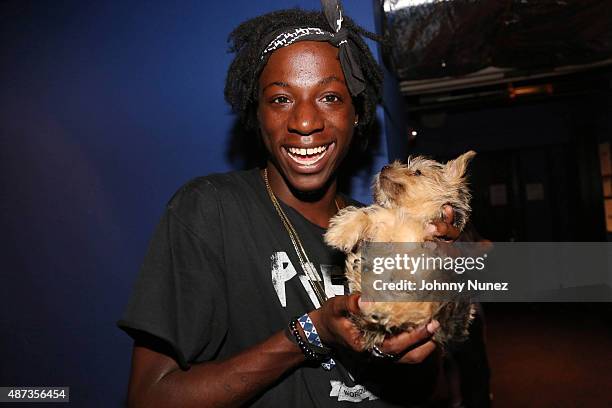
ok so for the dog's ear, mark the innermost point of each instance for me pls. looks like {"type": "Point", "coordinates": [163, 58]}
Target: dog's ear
{"type": "Point", "coordinates": [455, 169]}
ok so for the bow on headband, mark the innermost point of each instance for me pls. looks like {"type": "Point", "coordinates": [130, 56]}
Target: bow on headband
{"type": "Point", "coordinates": [352, 71]}
{"type": "Point", "coordinates": [337, 37]}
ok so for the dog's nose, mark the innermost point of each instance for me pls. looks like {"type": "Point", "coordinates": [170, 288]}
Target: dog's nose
{"type": "Point", "coordinates": [385, 168]}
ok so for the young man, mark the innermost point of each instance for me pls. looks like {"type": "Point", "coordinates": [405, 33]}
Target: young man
{"type": "Point", "coordinates": [238, 256]}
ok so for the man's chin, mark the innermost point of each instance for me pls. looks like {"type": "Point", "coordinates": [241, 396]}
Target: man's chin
{"type": "Point", "coordinates": [308, 183]}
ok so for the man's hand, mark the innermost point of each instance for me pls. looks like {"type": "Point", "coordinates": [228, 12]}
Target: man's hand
{"type": "Point", "coordinates": [333, 325]}
{"type": "Point", "coordinates": [444, 229]}
{"type": "Point", "coordinates": [336, 329]}
{"type": "Point", "coordinates": [412, 347]}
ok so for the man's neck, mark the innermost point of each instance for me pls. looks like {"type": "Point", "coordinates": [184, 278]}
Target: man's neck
{"type": "Point", "coordinates": [318, 208]}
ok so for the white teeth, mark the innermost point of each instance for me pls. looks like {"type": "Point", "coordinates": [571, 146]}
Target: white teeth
{"type": "Point", "coordinates": [308, 156]}
{"type": "Point", "coordinates": [305, 152]}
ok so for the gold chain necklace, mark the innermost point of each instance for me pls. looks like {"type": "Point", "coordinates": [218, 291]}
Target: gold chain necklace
{"type": "Point", "coordinates": [307, 266]}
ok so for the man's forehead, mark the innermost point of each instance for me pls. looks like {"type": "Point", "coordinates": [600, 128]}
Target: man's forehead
{"type": "Point", "coordinates": [308, 80]}
{"type": "Point", "coordinates": [308, 62]}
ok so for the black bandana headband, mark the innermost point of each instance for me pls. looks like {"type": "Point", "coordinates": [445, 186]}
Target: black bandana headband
{"type": "Point", "coordinates": [338, 38]}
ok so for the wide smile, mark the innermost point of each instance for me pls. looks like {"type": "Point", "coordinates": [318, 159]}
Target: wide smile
{"type": "Point", "coordinates": [308, 157]}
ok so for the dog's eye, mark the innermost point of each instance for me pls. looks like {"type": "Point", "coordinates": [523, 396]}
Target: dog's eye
{"type": "Point", "coordinates": [417, 173]}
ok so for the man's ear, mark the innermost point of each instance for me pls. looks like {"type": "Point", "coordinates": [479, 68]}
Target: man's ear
{"type": "Point", "coordinates": [455, 169]}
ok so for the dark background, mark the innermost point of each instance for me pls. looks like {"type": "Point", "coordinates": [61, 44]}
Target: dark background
{"type": "Point", "coordinates": [551, 140]}
{"type": "Point", "coordinates": [106, 108]}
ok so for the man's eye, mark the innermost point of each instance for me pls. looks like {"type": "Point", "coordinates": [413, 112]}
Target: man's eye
{"type": "Point", "coordinates": [280, 99]}
{"type": "Point", "coordinates": [331, 98]}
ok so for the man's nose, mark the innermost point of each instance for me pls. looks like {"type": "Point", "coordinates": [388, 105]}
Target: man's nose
{"type": "Point", "coordinates": [305, 119]}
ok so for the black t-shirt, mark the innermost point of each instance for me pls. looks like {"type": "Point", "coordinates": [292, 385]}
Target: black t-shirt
{"type": "Point", "coordinates": [221, 274]}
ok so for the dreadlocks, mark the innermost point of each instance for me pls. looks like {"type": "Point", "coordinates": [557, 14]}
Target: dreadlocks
{"type": "Point", "coordinates": [248, 40]}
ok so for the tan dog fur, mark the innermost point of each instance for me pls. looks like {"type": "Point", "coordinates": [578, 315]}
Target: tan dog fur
{"type": "Point", "coordinates": [408, 198]}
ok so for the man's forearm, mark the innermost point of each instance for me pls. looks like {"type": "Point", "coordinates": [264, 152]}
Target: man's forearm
{"type": "Point", "coordinates": [226, 383]}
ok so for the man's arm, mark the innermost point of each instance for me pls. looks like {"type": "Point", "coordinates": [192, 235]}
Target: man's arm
{"type": "Point", "coordinates": [157, 381]}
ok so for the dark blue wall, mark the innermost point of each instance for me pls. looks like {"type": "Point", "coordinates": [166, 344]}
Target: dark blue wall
{"type": "Point", "coordinates": [105, 109]}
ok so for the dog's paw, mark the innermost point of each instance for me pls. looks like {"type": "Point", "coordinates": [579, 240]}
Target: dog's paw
{"type": "Point", "coordinates": [347, 229]}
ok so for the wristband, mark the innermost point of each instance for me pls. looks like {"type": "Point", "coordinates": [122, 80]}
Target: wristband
{"type": "Point", "coordinates": [312, 352]}
{"type": "Point", "coordinates": [313, 338]}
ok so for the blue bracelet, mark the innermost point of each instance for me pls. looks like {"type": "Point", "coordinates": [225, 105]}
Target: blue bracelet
{"type": "Point", "coordinates": [313, 338]}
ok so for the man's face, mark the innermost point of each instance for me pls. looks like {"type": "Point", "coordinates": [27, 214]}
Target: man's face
{"type": "Point", "coordinates": [305, 112]}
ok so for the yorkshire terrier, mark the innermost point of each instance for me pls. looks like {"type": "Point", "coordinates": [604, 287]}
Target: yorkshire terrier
{"type": "Point", "coordinates": [408, 199]}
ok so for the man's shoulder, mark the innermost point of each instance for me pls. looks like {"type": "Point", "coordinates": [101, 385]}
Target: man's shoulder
{"type": "Point", "coordinates": [216, 183]}
{"type": "Point", "coordinates": [219, 182]}
{"type": "Point", "coordinates": [205, 193]}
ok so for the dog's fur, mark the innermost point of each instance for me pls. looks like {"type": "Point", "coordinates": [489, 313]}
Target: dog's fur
{"type": "Point", "coordinates": [408, 199]}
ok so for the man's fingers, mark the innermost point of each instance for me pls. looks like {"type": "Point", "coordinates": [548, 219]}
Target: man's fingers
{"type": "Point", "coordinates": [352, 307]}
{"type": "Point", "coordinates": [449, 214]}
{"type": "Point", "coordinates": [346, 331]}
{"type": "Point", "coordinates": [445, 228]}
{"type": "Point", "coordinates": [407, 341]}
{"type": "Point", "coordinates": [399, 343]}
{"type": "Point", "coordinates": [452, 232]}
{"type": "Point", "coordinates": [419, 354]}
{"type": "Point", "coordinates": [342, 306]}
{"type": "Point", "coordinates": [352, 303]}
{"type": "Point", "coordinates": [441, 228]}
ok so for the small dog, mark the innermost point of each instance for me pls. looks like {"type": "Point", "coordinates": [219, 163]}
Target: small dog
{"type": "Point", "coordinates": [408, 199]}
